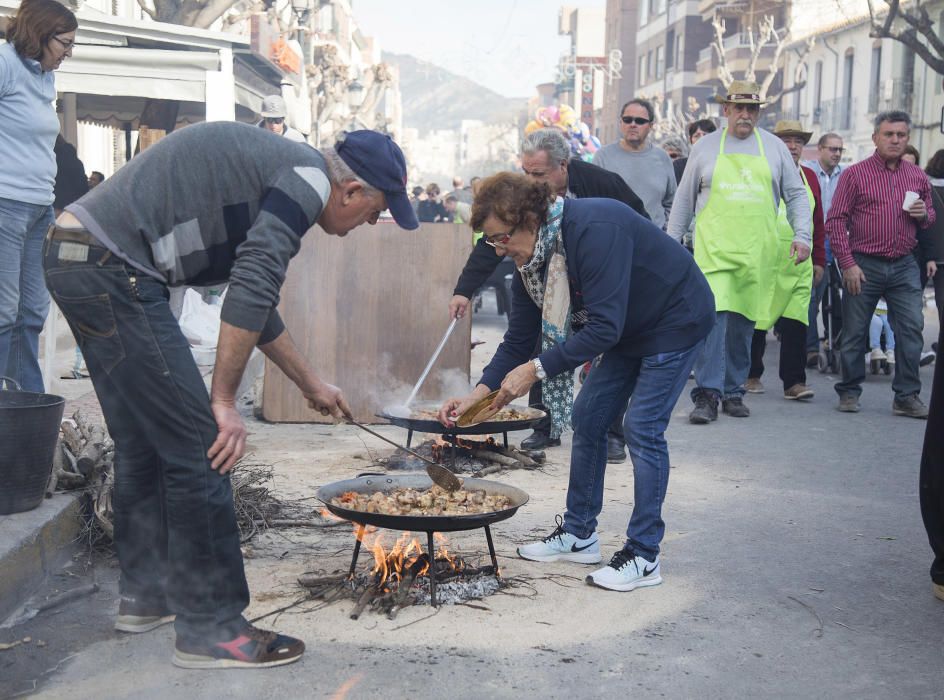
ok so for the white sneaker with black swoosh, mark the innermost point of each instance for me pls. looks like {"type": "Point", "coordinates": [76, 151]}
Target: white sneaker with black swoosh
{"type": "Point", "coordinates": [627, 571]}
{"type": "Point", "coordinates": [563, 546]}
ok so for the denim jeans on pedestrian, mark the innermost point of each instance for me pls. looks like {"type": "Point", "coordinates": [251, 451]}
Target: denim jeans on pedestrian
{"type": "Point", "coordinates": [877, 325]}
{"type": "Point", "coordinates": [897, 281]}
{"type": "Point", "coordinates": [652, 386]}
{"type": "Point", "coordinates": [24, 302]}
{"type": "Point", "coordinates": [722, 366]}
{"type": "Point", "coordinates": [175, 524]}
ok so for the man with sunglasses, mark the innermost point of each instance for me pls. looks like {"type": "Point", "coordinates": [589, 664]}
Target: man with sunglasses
{"type": "Point", "coordinates": [733, 186]}
{"type": "Point", "coordinates": [273, 119]}
{"type": "Point", "coordinates": [646, 169]}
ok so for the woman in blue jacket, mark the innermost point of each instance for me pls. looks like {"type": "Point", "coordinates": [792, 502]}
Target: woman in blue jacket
{"type": "Point", "coordinates": [39, 39]}
{"type": "Point", "coordinates": [596, 280]}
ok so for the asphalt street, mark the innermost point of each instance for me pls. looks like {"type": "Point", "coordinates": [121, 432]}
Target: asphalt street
{"type": "Point", "coordinates": [795, 566]}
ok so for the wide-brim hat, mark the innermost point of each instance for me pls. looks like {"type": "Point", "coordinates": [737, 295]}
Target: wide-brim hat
{"type": "Point", "coordinates": [377, 160]}
{"type": "Point", "coordinates": [791, 127]}
{"type": "Point", "coordinates": [742, 92]}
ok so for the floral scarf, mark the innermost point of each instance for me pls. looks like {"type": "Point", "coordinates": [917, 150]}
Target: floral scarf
{"type": "Point", "coordinates": [545, 279]}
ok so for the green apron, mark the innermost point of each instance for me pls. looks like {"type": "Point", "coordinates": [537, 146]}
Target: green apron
{"type": "Point", "coordinates": [791, 297]}
{"type": "Point", "coordinates": [736, 233]}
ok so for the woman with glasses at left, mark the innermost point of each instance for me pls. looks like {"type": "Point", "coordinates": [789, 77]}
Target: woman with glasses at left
{"type": "Point", "coordinates": [39, 38]}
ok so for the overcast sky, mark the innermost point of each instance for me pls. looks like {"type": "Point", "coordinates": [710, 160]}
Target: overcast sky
{"type": "Point", "coordinates": [508, 46]}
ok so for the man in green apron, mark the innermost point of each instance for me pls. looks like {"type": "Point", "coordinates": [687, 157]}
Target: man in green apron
{"type": "Point", "coordinates": [789, 308]}
{"type": "Point", "coordinates": [733, 185]}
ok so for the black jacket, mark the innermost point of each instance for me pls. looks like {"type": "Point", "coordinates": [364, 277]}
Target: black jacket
{"type": "Point", "coordinates": [584, 180]}
{"type": "Point", "coordinates": [71, 180]}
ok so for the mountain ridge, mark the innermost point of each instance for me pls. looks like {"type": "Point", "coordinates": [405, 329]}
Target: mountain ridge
{"type": "Point", "coordinates": [435, 98]}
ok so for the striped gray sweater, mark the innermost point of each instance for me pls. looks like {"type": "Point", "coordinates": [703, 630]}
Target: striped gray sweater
{"type": "Point", "coordinates": [211, 203]}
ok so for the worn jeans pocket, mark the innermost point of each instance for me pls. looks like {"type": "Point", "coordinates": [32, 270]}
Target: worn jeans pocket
{"type": "Point", "coordinates": [93, 322]}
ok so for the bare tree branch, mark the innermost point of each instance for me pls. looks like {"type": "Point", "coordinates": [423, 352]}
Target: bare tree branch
{"type": "Point", "coordinates": [147, 10]}
{"type": "Point", "coordinates": [724, 75]}
{"type": "Point", "coordinates": [931, 52]}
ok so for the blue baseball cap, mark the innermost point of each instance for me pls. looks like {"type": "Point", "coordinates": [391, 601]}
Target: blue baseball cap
{"type": "Point", "coordinates": [377, 160]}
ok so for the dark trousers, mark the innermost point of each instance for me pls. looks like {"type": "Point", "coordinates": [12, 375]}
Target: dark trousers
{"type": "Point", "coordinates": [826, 294]}
{"type": "Point", "coordinates": [931, 480]}
{"type": "Point", "coordinates": [898, 281]}
{"type": "Point", "coordinates": [792, 352]}
{"type": "Point", "coordinates": [938, 287]}
{"type": "Point", "coordinates": [175, 524]}
{"type": "Point", "coordinates": [536, 400]}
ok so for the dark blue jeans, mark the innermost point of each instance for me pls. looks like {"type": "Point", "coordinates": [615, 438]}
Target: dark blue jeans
{"type": "Point", "coordinates": [897, 281]}
{"type": "Point", "coordinates": [654, 384]}
{"type": "Point", "coordinates": [175, 524]}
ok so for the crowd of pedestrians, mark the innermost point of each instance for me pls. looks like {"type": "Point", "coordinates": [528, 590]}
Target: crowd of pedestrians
{"type": "Point", "coordinates": [770, 238]}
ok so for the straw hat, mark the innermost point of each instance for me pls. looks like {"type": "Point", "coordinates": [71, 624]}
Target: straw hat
{"type": "Point", "coordinates": [790, 127]}
{"type": "Point", "coordinates": [742, 92]}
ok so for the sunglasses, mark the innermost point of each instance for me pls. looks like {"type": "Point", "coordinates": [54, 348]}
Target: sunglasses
{"type": "Point", "coordinates": [636, 120]}
{"type": "Point", "coordinates": [834, 149]}
{"type": "Point", "coordinates": [499, 239]}
{"type": "Point", "coordinates": [275, 120]}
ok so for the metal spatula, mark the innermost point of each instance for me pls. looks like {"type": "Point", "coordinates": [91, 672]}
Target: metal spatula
{"type": "Point", "coordinates": [440, 475]}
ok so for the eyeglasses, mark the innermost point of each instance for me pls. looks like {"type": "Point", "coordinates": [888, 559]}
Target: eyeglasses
{"type": "Point", "coordinates": [834, 149]}
{"type": "Point", "coordinates": [636, 120]}
{"type": "Point", "coordinates": [499, 239]}
{"type": "Point", "coordinates": [67, 45]}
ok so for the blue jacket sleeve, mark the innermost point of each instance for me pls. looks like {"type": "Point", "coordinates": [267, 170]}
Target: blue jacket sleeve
{"type": "Point", "coordinates": [524, 329]}
{"type": "Point", "coordinates": [600, 264]}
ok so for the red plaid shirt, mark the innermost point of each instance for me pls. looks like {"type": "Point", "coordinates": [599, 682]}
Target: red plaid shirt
{"type": "Point", "coordinates": [867, 207]}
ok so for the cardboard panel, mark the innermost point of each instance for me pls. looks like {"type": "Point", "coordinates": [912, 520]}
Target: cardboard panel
{"type": "Point", "coordinates": [368, 310]}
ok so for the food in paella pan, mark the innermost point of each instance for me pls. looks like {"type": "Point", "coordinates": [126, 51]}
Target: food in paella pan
{"type": "Point", "coordinates": [505, 414]}
{"type": "Point", "coordinates": [433, 501]}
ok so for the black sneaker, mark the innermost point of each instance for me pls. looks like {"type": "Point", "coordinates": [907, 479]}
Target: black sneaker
{"type": "Point", "coordinates": [705, 411]}
{"type": "Point", "coordinates": [615, 449]}
{"type": "Point", "coordinates": [139, 616]}
{"type": "Point", "coordinates": [735, 407]}
{"type": "Point", "coordinates": [538, 440]}
{"type": "Point", "coordinates": [251, 648]}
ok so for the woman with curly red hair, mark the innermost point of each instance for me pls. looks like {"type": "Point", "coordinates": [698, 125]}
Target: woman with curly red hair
{"type": "Point", "coordinates": [39, 38]}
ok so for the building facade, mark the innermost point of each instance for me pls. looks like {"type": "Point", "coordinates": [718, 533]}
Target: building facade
{"type": "Point", "coordinates": [849, 77]}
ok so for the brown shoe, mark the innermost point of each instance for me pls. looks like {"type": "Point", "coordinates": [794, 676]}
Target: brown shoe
{"type": "Point", "coordinates": [251, 648]}
{"type": "Point", "coordinates": [938, 590]}
{"type": "Point", "coordinates": [812, 360]}
{"type": "Point", "coordinates": [911, 406]}
{"type": "Point", "coordinates": [849, 403]}
{"type": "Point", "coordinates": [798, 391]}
{"type": "Point", "coordinates": [753, 385]}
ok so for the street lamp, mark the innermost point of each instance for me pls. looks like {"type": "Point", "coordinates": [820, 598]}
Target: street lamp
{"type": "Point", "coordinates": [355, 100]}
{"type": "Point", "coordinates": [355, 95]}
{"type": "Point", "coordinates": [302, 10]}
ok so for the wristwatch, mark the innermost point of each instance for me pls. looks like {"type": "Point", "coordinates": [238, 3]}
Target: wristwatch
{"type": "Point", "coordinates": [539, 369]}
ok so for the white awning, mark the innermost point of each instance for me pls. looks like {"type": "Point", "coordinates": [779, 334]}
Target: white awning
{"type": "Point", "coordinates": [154, 73]}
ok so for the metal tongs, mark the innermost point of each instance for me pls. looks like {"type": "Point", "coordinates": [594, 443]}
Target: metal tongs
{"type": "Point", "coordinates": [441, 476]}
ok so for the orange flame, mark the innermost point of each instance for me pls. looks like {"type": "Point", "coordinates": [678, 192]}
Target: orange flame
{"type": "Point", "coordinates": [392, 563]}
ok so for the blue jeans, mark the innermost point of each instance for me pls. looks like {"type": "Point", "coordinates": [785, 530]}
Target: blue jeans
{"type": "Point", "coordinates": [722, 367]}
{"type": "Point", "coordinates": [876, 326]}
{"type": "Point", "coordinates": [24, 302]}
{"type": "Point", "coordinates": [898, 281]}
{"type": "Point", "coordinates": [654, 383]}
{"type": "Point", "coordinates": [175, 523]}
